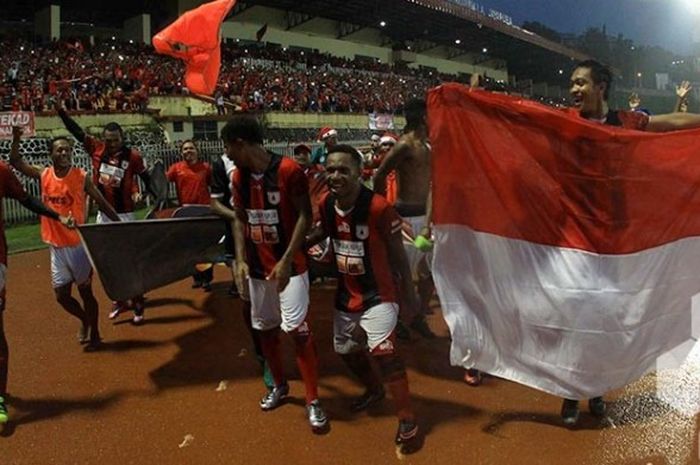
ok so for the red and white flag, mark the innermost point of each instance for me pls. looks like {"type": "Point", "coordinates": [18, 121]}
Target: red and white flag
{"type": "Point", "coordinates": [567, 253]}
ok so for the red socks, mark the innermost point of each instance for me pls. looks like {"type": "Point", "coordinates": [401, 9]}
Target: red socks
{"type": "Point", "coordinates": [307, 360]}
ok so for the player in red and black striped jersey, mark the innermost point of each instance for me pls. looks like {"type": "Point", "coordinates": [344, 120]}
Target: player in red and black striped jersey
{"type": "Point", "coordinates": [365, 268]}
{"type": "Point", "coordinates": [114, 165]}
{"type": "Point", "coordinates": [365, 233]}
{"type": "Point", "coordinates": [114, 169]}
{"type": "Point", "coordinates": [268, 198]}
{"type": "Point", "coordinates": [220, 204]}
{"type": "Point", "coordinates": [272, 216]}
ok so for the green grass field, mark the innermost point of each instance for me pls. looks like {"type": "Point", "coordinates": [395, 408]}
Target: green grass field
{"type": "Point", "coordinates": [26, 237]}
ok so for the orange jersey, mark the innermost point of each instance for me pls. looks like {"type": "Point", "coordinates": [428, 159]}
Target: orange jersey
{"type": "Point", "coordinates": [191, 181]}
{"type": "Point", "coordinates": [66, 196]}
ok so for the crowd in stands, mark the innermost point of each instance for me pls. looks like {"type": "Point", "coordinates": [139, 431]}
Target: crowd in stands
{"type": "Point", "coordinates": [106, 77]}
{"type": "Point", "coordinates": [118, 76]}
{"type": "Point", "coordinates": [114, 75]}
{"type": "Point", "coordinates": [275, 78]}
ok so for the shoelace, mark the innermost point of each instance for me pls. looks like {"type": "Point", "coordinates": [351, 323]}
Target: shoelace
{"type": "Point", "coordinates": [276, 391]}
{"type": "Point", "coordinates": [316, 412]}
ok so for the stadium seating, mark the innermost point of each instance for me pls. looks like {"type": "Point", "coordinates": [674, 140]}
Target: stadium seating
{"type": "Point", "coordinates": [120, 76]}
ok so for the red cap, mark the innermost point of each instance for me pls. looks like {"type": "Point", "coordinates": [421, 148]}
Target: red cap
{"type": "Point", "coordinates": [326, 132]}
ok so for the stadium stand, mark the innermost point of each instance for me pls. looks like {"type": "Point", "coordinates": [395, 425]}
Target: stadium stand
{"type": "Point", "coordinates": [98, 70]}
{"type": "Point", "coordinates": [115, 76]}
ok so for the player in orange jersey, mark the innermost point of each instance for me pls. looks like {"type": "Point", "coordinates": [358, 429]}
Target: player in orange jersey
{"type": "Point", "coordinates": [64, 188]}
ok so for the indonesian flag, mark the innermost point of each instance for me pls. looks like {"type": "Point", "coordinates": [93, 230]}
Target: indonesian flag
{"type": "Point", "coordinates": [567, 254]}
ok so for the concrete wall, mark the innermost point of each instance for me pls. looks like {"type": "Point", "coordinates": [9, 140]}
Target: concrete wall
{"type": "Point", "coordinates": [319, 120]}
{"type": "Point", "coordinates": [317, 34]}
{"type": "Point", "coordinates": [438, 58]}
{"type": "Point", "coordinates": [47, 22]}
{"type": "Point", "coordinates": [187, 131]}
{"type": "Point", "coordinates": [52, 126]}
{"type": "Point", "coordinates": [185, 107]}
{"type": "Point", "coordinates": [321, 34]}
{"type": "Point", "coordinates": [138, 28]}
{"type": "Point", "coordinates": [181, 106]}
{"type": "Point", "coordinates": [289, 121]}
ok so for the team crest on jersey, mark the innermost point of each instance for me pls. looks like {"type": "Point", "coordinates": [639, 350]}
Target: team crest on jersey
{"type": "Point", "coordinates": [386, 346]}
{"type": "Point", "coordinates": [125, 164]}
{"type": "Point", "coordinates": [303, 329]}
{"type": "Point", "coordinates": [362, 231]}
{"type": "Point", "coordinates": [344, 227]}
{"type": "Point", "coordinates": [273, 197]}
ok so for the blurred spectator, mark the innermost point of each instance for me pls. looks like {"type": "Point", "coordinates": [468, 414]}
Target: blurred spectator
{"type": "Point", "coordinates": [329, 137]}
{"type": "Point", "coordinates": [219, 101]}
{"type": "Point", "coordinates": [635, 103]}
{"type": "Point", "coordinates": [683, 92]}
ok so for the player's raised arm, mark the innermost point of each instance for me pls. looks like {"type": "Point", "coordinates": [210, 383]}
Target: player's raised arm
{"type": "Point", "coordinates": [16, 159]}
{"type": "Point", "coordinates": [673, 122]}
{"type": "Point", "coordinates": [70, 124]}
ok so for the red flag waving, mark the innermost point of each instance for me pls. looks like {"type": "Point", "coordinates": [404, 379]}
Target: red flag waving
{"type": "Point", "coordinates": [195, 38]}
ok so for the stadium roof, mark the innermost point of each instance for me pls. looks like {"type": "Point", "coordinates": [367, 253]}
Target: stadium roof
{"type": "Point", "coordinates": [419, 24]}
{"type": "Point", "coordinates": [429, 23]}
{"type": "Point", "coordinates": [439, 20]}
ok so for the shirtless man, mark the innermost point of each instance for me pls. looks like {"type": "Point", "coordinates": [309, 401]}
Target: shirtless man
{"type": "Point", "coordinates": [411, 160]}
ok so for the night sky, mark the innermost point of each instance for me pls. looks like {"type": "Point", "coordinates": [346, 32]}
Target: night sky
{"type": "Point", "coordinates": [668, 23]}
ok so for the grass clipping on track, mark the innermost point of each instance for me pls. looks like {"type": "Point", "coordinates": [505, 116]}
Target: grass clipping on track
{"type": "Point", "coordinates": [652, 425]}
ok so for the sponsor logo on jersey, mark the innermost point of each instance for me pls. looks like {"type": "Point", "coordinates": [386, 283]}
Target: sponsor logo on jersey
{"type": "Point", "coordinates": [270, 235]}
{"type": "Point", "coordinates": [111, 175]}
{"type": "Point", "coordinates": [256, 234]}
{"type": "Point", "coordinates": [349, 248]}
{"type": "Point", "coordinates": [256, 216]}
{"type": "Point", "coordinates": [264, 234]}
{"type": "Point", "coordinates": [59, 200]}
{"type": "Point", "coordinates": [356, 266]}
